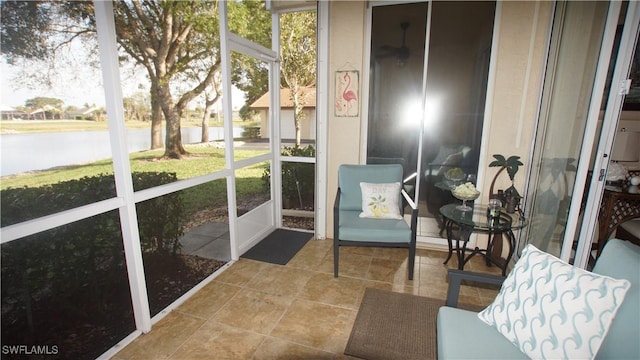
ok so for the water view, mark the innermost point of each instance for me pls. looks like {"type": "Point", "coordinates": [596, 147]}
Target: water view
{"type": "Point", "coordinates": [40, 151]}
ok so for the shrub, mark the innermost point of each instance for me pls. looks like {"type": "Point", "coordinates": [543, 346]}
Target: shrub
{"type": "Point", "coordinates": [298, 179]}
{"type": "Point", "coordinates": [63, 263]}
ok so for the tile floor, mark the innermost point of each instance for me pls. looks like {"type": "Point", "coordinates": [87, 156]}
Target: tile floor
{"type": "Point", "coordinates": [255, 310]}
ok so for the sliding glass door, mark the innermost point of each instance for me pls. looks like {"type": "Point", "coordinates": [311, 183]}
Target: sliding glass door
{"type": "Point", "coordinates": [452, 41]}
{"type": "Point", "coordinates": [589, 57]}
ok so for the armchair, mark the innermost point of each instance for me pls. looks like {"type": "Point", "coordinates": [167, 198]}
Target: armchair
{"type": "Point", "coordinates": [619, 260]}
{"type": "Point", "coordinates": [355, 225]}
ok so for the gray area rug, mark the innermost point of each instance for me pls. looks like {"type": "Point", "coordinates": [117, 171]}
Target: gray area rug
{"type": "Point", "coordinates": [392, 325]}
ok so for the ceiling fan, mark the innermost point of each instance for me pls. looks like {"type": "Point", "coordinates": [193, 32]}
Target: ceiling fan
{"type": "Point", "coordinates": [400, 53]}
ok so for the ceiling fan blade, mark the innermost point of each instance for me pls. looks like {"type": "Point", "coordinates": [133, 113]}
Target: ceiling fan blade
{"type": "Point", "coordinates": [385, 55]}
{"type": "Point", "coordinates": [389, 48]}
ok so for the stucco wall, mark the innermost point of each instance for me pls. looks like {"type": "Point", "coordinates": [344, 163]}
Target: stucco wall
{"type": "Point", "coordinates": [288, 126]}
{"type": "Point", "coordinates": [512, 99]}
{"type": "Point", "coordinates": [522, 41]}
{"type": "Point", "coordinates": [346, 51]}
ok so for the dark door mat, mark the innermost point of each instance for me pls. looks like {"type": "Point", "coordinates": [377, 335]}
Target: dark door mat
{"type": "Point", "coordinates": [278, 247]}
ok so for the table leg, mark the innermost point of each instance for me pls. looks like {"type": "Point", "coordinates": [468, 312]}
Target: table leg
{"type": "Point", "coordinates": [496, 258]}
{"type": "Point", "coordinates": [448, 225]}
{"type": "Point", "coordinates": [464, 235]}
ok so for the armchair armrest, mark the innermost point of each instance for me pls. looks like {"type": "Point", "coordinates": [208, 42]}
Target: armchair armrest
{"type": "Point", "coordinates": [455, 279]}
{"type": "Point", "coordinates": [414, 215]}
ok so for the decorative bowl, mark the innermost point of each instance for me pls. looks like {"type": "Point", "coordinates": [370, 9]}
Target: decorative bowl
{"type": "Point", "coordinates": [465, 192]}
{"type": "Point", "coordinates": [454, 175]}
{"type": "Point", "coordinates": [465, 197]}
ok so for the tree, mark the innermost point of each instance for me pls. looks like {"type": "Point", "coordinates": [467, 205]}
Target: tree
{"type": "Point", "coordinates": [136, 106]}
{"type": "Point", "coordinates": [46, 105]}
{"type": "Point", "coordinates": [298, 59]}
{"type": "Point", "coordinates": [176, 42]}
{"type": "Point", "coordinates": [164, 37]}
{"type": "Point", "coordinates": [41, 101]}
{"type": "Point", "coordinates": [23, 22]}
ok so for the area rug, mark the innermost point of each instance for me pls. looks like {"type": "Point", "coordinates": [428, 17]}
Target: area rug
{"type": "Point", "coordinates": [392, 325]}
{"type": "Point", "coordinates": [278, 247]}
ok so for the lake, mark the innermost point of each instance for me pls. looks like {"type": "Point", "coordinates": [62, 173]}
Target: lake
{"type": "Point", "coordinates": [39, 151]}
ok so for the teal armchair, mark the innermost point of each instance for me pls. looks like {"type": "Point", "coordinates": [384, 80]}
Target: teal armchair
{"type": "Point", "coordinates": [380, 229]}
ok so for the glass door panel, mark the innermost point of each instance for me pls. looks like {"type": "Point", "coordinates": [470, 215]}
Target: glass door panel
{"type": "Point", "coordinates": [395, 86]}
{"type": "Point", "coordinates": [458, 64]}
{"type": "Point", "coordinates": [575, 49]}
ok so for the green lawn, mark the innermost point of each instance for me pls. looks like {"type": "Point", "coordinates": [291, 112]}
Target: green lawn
{"type": "Point", "coordinates": [203, 160]}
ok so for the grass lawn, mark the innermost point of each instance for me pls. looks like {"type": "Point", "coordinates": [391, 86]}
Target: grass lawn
{"type": "Point", "coordinates": [203, 160]}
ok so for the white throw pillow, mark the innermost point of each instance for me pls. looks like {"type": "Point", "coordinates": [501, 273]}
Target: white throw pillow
{"type": "Point", "coordinates": [552, 310]}
{"type": "Point", "coordinates": [380, 201]}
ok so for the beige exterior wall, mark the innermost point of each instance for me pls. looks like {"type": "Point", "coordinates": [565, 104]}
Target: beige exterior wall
{"type": "Point", "coordinates": [308, 126]}
{"type": "Point", "coordinates": [346, 49]}
{"type": "Point", "coordinates": [514, 101]}
{"type": "Point", "coordinates": [523, 29]}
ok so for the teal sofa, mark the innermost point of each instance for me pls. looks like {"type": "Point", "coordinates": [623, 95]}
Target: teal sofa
{"type": "Point", "coordinates": [462, 335]}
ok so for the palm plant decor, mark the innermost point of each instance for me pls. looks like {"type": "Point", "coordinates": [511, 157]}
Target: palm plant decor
{"type": "Point", "coordinates": [512, 165]}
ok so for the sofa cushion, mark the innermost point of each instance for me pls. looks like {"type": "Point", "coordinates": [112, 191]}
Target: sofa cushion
{"type": "Point", "coordinates": [461, 335]}
{"type": "Point", "coordinates": [380, 201]}
{"type": "Point", "coordinates": [621, 260]}
{"type": "Point", "coordinates": [550, 309]}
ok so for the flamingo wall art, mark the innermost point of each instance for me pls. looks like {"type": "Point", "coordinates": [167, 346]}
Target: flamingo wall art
{"type": "Point", "coordinates": [347, 102]}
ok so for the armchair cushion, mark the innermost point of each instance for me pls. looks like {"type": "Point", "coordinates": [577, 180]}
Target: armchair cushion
{"type": "Point", "coordinates": [550, 309]}
{"type": "Point", "coordinates": [460, 330]}
{"type": "Point", "coordinates": [380, 201]}
{"type": "Point", "coordinates": [355, 228]}
{"type": "Point", "coordinates": [350, 177]}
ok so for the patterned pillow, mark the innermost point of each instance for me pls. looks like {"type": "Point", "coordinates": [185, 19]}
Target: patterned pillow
{"type": "Point", "coordinates": [551, 310]}
{"type": "Point", "coordinates": [380, 201]}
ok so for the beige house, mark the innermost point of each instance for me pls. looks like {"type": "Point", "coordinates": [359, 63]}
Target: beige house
{"type": "Point", "coordinates": [287, 128]}
{"type": "Point", "coordinates": [542, 86]}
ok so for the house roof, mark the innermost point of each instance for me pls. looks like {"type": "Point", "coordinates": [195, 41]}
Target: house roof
{"type": "Point", "coordinates": [285, 99]}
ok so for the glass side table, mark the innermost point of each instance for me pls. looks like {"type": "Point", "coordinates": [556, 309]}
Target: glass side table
{"type": "Point", "coordinates": [476, 221]}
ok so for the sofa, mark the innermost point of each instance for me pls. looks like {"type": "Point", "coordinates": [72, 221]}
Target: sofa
{"type": "Point", "coordinates": [462, 335]}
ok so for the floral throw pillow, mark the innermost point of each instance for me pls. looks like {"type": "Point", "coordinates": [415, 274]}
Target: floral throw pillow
{"type": "Point", "coordinates": [552, 310]}
{"type": "Point", "coordinates": [380, 201]}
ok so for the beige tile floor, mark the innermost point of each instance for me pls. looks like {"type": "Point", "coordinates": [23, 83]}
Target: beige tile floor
{"type": "Point", "coordinates": [255, 310]}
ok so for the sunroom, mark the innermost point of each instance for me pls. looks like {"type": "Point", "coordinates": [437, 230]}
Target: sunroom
{"type": "Point", "coordinates": [419, 83]}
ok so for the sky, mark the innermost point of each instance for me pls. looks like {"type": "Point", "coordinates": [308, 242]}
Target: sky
{"type": "Point", "coordinates": [77, 87]}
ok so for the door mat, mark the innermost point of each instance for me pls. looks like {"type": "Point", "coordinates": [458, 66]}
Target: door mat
{"type": "Point", "coordinates": [278, 247]}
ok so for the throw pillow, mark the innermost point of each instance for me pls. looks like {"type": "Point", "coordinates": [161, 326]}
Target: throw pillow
{"type": "Point", "coordinates": [551, 310]}
{"type": "Point", "coordinates": [380, 201]}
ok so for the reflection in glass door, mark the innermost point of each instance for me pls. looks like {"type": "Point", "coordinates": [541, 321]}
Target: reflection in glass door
{"type": "Point", "coordinates": [572, 73]}
{"type": "Point", "coordinates": [459, 47]}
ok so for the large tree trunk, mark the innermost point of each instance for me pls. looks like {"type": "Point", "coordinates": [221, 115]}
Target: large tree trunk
{"type": "Point", "coordinates": [156, 119]}
{"type": "Point", "coordinates": [173, 140]}
{"type": "Point", "coordinates": [205, 121]}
